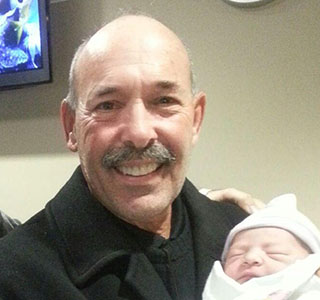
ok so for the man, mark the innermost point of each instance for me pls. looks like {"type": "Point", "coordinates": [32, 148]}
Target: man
{"type": "Point", "coordinates": [127, 225]}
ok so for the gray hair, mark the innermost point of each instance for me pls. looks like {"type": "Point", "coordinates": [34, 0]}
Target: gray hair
{"type": "Point", "coordinates": [72, 97]}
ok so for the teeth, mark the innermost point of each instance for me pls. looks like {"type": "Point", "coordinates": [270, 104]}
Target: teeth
{"type": "Point", "coordinates": [138, 171]}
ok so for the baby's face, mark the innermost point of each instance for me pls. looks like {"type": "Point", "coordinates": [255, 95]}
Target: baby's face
{"type": "Point", "coordinates": [262, 251]}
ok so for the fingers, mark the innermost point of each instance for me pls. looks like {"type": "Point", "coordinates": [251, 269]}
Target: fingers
{"type": "Point", "coordinates": [242, 199]}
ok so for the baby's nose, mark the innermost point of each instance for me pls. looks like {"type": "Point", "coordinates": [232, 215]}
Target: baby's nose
{"type": "Point", "coordinates": [253, 257]}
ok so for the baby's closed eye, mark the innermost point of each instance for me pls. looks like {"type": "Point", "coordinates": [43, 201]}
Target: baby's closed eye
{"type": "Point", "coordinates": [235, 254]}
{"type": "Point", "coordinates": [277, 255]}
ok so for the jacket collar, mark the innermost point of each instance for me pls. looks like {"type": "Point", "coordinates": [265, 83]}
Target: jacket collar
{"type": "Point", "coordinates": [209, 230]}
{"type": "Point", "coordinates": [85, 234]}
{"type": "Point", "coordinates": [85, 231]}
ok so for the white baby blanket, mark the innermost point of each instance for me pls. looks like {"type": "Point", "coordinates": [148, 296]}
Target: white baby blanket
{"type": "Point", "coordinates": [297, 281]}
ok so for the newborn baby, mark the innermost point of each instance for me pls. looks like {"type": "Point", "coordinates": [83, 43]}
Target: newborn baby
{"type": "Point", "coordinates": [272, 254]}
{"type": "Point", "coordinates": [262, 251]}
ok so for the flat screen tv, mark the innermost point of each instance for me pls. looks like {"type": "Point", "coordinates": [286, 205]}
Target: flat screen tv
{"type": "Point", "coordinates": [24, 43]}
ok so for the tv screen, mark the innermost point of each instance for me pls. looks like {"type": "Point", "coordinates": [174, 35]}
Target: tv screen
{"type": "Point", "coordinates": [24, 43]}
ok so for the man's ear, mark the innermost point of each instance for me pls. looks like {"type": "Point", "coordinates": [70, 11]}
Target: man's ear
{"type": "Point", "coordinates": [199, 107]}
{"type": "Point", "coordinates": [67, 117]}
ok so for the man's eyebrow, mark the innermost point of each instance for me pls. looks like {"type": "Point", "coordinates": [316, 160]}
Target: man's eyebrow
{"type": "Point", "coordinates": [105, 90]}
{"type": "Point", "coordinates": [167, 85]}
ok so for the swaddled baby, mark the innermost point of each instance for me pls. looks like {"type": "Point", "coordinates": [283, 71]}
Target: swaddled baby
{"type": "Point", "coordinates": [272, 254]}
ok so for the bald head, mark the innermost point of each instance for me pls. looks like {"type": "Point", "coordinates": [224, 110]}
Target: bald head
{"type": "Point", "coordinates": [131, 39]}
{"type": "Point", "coordinates": [135, 31]}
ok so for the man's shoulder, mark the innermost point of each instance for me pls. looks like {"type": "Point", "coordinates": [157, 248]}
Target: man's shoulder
{"type": "Point", "coordinates": [203, 206]}
{"type": "Point", "coordinates": [26, 234]}
{"type": "Point", "coordinates": [25, 253]}
{"type": "Point", "coordinates": [30, 242]}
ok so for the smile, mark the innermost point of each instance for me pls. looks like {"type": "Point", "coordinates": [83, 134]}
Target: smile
{"type": "Point", "coordinates": [143, 170]}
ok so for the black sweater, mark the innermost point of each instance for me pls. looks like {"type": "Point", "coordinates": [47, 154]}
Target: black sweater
{"type": "Point", "coordinates": [75, 249]}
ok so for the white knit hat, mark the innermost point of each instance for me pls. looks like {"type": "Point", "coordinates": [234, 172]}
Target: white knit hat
{"type": "Point", "coordinates": [280, 212]}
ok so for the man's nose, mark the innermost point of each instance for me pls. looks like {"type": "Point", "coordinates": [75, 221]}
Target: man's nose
{"type": "Point", "coordinates": [253, 257]}
{"type": "Point", "coordinates": [139, 126]}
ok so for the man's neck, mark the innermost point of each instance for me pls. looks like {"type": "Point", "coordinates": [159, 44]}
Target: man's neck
{"type": "Point", "coordinates": [160, 225]}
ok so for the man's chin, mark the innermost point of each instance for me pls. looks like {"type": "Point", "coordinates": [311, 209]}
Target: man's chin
{"type": "Point", "coordinates": [142, 209]}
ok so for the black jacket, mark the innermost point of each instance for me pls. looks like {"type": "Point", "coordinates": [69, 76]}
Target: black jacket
{"type": "Point", "coordinates": [75, 249]}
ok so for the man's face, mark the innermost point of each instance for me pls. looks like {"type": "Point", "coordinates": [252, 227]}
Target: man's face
{"type": "Point", "coordinates": [134, 98]}
{"type": "Point", "coordinates": [262, 251]}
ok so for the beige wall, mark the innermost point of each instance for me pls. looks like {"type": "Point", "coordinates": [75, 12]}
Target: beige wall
{"type": "Point", "coordinates": [259, 67]}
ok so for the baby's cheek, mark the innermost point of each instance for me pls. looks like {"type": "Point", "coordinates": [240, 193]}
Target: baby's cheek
{"type": "Point", "coordinates": [230, 270]}
{"type": "Point", "coordinates": [277, 267]}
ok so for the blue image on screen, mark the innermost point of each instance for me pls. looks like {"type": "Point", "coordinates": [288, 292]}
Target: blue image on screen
{"type": "Point", "coordinates": [20, 39]}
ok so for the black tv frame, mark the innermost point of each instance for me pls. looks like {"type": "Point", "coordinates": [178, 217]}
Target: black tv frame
{"type": "Point", "coordinates": [24, 78]}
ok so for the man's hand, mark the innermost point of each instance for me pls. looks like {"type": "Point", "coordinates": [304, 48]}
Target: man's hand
{"type": "Point", "coordinates": [318, 272]}
{"type": "Point", "coordinates": [242, 199]}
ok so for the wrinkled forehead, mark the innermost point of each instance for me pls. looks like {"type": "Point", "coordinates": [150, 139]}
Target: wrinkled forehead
{"type": "Point", "coordinates": [136, 54]}
{"type": "Point", "coordinates": [105, 53]}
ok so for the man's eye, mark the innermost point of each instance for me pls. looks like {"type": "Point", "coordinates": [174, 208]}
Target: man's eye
{"type": "Point", "coordinates": [165, 100]}
{"type": "Point", "coordinates": [106, 106]}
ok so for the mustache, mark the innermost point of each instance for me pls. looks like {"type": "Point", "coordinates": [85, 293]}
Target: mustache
{"type": "Point", "coordinates": [157, 152]}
